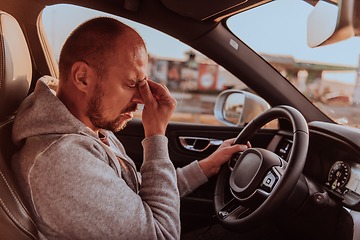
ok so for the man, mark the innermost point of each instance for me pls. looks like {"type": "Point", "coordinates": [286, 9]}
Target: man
{"type": "Point", "coordinates": [74, 173]}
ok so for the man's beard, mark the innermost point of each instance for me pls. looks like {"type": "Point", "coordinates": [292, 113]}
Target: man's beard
{"type": "Point", "coordinates": [94, 112]}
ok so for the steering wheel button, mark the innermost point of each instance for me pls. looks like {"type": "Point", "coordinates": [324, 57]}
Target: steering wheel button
{"type": "Point", "coordinates": [269, 182]}
{"type": "Point", "coordinates": [223, 214]}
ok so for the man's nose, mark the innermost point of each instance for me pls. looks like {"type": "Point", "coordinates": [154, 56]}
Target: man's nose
{"type": "Point", "coordinates": [137, 98]}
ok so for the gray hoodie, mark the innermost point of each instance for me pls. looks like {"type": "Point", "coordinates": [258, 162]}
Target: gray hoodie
{"type": "Point", "coordinates": [74, 183]}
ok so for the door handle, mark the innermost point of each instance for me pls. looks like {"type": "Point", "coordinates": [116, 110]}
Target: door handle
{"type": "Point", "coordinates": [199, 144]}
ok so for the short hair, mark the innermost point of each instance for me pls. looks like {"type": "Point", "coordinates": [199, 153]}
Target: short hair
{"type": "Point", "coordinates": [93, 42]}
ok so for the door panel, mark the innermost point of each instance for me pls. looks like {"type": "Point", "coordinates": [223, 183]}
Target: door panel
{"type": "Point", "coordinates": [133, 134]}
{"type": "Point", "coordinates": [197, 208]}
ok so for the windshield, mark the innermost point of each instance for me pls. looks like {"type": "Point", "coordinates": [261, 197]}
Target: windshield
{"type": "Point", "coordinates": [329, 76]}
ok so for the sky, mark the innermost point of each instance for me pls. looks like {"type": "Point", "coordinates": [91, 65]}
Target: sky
{"type": "Point", "coordinates": [280, 32]}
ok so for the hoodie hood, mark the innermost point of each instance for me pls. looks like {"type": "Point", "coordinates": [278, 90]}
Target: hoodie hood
{"type": "Point", "coordinates": [43, 113]}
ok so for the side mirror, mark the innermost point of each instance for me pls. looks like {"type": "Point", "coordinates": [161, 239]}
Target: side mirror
{"type": "Point", "coordinates": [329, 23]}
{"type": "Point", "coordinates": [237, 108]}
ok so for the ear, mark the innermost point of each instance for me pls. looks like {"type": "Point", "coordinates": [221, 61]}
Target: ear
{"type": "Point", "coordinates": [82, 76]}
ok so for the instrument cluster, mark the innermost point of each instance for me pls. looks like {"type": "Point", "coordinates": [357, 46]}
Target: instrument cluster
{"type": "Point", "coordinates": [344, 179]}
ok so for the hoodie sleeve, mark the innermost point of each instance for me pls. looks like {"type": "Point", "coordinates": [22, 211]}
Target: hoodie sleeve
{"type": "Point", "coordinates": [77, 195]}
{"type": "Point", "coordinates": [189, 178]}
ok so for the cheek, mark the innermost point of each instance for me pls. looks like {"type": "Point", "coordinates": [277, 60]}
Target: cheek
{"type": "Point", "coordinates": [118, 96]}
{"type": "Point", "coordinates": [120, 101]}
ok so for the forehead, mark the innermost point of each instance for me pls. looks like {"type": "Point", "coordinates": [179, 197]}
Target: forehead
{"type": "Point", "coordinates": [130, 46]}
{"type": "Point", "coordinates": [131, 56]}
{"type": "Point", "coordinates": [129, 63]}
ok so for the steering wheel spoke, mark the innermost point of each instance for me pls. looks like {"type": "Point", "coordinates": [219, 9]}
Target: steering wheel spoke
{"type": "Point", "coordinates": [233, 209]}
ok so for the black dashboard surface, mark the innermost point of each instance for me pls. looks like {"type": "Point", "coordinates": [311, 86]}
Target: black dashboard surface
{"type": "Point", "coordinates": [334, 161]}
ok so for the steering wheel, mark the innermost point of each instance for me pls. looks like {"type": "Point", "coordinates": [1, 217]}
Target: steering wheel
{"type": "Point", "coordinates": [260, 181]}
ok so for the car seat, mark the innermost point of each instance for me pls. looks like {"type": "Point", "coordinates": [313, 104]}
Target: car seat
{"type": "Point", "coordinates": [15, 79]}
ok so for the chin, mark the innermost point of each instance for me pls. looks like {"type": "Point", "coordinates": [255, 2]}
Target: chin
{"type": "Point", "coordinates": [120, 126]}
{"type": "Point", "coordinates": [114, 126]}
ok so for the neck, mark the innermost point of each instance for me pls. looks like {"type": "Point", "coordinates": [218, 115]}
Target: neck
{"type": "Point", "coordinates": [76, 106]}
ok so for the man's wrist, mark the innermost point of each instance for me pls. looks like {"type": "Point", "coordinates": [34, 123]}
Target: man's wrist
{"type": "Point", "coordinates": [153, 133]}
{"type": "Point", "coordinates": [208, 168]}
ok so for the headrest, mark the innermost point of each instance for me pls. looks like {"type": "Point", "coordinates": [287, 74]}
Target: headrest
{"type": "Point", "coordinates": [15, 66]}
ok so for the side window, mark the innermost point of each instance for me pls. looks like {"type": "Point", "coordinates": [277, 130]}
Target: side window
{"type": "Point", "coordinates": [193, 79]}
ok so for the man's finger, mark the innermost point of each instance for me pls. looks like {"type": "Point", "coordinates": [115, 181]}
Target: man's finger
{"type": "Point", "coordinates": [145, 91]}
{"type": "Point", "coordinates": [158, 89]}
{"type": "Point", "coordinates": [238, 147]}
{"type": "Point", "coordinates": [165, 87]}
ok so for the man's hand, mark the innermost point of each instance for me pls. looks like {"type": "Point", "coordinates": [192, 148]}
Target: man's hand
{"type": "Point", "coordinates": [158, 107]}
{"type": "Point", "coordinates": [212, 164]}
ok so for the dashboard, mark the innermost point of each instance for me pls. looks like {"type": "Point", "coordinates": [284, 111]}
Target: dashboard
{"type": "Point", "coordinates": [327, 193]}
{"type": "Point", "coordinates": [333, 161]}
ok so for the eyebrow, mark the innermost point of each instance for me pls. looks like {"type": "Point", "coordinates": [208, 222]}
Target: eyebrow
{"type": "Point", "coordinates": [134, 82]}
